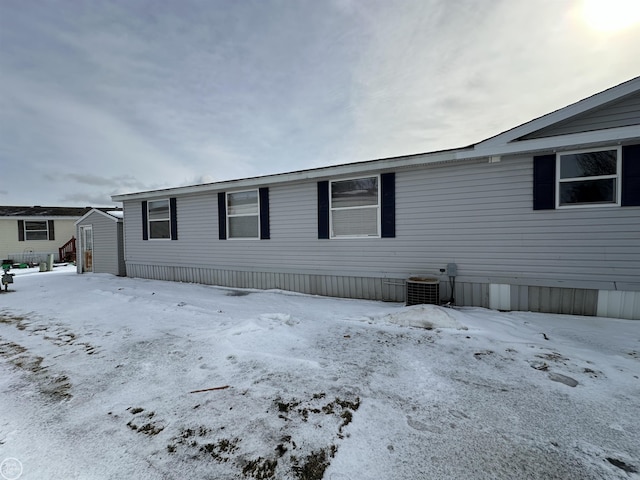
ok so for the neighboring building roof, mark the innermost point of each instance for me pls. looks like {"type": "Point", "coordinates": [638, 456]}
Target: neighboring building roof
{"type": "Point", "coordinates": [116, 213]}
{"type": "Point", "coordinates": [505, 143]}
{"type": "Point", "coordinates": [38, 211]}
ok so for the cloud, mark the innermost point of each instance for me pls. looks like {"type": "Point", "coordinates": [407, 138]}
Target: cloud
{"type": "Point", "coordinates": [122, 181]}
{"type": "Point", "coordinates": [123, 97]}
{"type": "Point", "coordinates": [436, 74]}
{"type": "Point", "coordinates": [88, 199]}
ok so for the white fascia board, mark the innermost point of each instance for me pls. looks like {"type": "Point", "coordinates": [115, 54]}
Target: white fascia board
{"type": "Point", "coordinates": [560, 142]}
{"type": "Point", "coordinates": [95, 210]}
{"type": "Point", "coordinates": [317, 173]}
{"type": "Point", "coordinates": [582, 106]}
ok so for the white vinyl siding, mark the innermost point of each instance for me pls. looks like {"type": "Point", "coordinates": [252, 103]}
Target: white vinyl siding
{"type": "Point", "coordinates": [159, 219]}
{"type": "Point", "coordinates": [355, 207]}
{"type": "Point", "coordinates": [243, 214]}
{"type": "Point", "coordinates": [588, 177]}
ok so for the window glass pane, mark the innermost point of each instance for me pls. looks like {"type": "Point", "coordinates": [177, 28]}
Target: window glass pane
{"type": "Point", "coordinates": [36, 230]}
{"type": "Point", "coordinates": [354, 193]}
{"type": "Point", "coordinates": [36, 235]}
{"type": "Point", "coordinates": [242, 203]}
{"type": "Point", "coordinates": [159, 229]}
{"type": "Point", "coordinates": [35, 226]}
{"type": "Point", "coordinates": [355, 222]}
{"type": "Point", "coordinates": [159, 210]}
{"type": "Point", "coordinates": [243, 227]}
{"type": "Point", "coordinates": [589, 164]}
{"type": "Point", "coordinates": [588, 191]}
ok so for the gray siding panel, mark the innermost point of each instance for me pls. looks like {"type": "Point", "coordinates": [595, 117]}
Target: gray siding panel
{"type": "Point", "coordinates": [478, 216]}
{"type": "Point", "coordinates": [621, 113]}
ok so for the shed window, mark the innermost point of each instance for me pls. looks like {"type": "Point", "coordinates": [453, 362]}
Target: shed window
{"type": "Point", "coordinates": [355, 207]}
{"type": "Point", "coordinates": [159, 219]}
{"type": "Point", "coordinates": [243, 214]}
{"type": "Point", "coordinates": [36, 230]}
{"type": "Point", "coordinates": [589, 177]}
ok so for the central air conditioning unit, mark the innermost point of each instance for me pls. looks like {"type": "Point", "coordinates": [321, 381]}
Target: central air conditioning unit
{"type": "Point", "coordinates": [422, 290]}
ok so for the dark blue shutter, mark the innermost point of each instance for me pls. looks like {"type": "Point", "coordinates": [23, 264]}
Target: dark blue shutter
{"type": "Point", "coordinates": [21, 230]}
{"type": "Point", "coordinates": [388, 185]}
{"type": "Point", "coordinates": [174, 218]}
{"type": "Point", "coordinates": [222, 216]}
{"type": "Point", "coordinates": [145, 223]}
{"type": "Point", "coordinates": [323, 209]}
{"type": "Point", "coordinates": [264, 213]}
{"type": "Point", "coordinates": [52, 232]}
{"type": "Point", "coordinates": [631, 176]}
{"type": "Point", "coordinates": [544, 182]}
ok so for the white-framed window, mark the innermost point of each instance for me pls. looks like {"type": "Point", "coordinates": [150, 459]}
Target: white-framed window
{"type": "Point", "coordinates": [159, 218]}
{"type": "Point", "coordinates": [354, 206]}
{"type": "Point", "coordinates": [36, 230]}
{"type": "Point", "coordinates": [243, 214]}
{"type": "Point", "coordinates": [588, 177]}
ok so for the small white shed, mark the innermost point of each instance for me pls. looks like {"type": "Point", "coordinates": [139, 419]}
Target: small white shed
{"type": "Point", "coordinates": [100, 246]}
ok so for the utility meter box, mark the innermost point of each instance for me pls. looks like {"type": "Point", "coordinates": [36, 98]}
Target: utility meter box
{"type": "Point", "coordinates": [452, 269]}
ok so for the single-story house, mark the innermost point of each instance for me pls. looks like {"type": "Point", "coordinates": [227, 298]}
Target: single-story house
{"type": "Point", "coordinates": [101, 242]}
{"type": "Point", "coordinates": [30, 234]}
{"type": "Point", "coordinates": [543, 217]}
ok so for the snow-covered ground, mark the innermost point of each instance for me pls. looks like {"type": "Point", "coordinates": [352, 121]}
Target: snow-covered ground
{"type": "Point", "coordinates": [118, 378]}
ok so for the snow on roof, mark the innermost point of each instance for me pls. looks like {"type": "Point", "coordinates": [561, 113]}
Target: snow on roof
{"type": "Point", "coordinates": [116, 213]}
{"type": "Point", "coordinates": [38, 211]}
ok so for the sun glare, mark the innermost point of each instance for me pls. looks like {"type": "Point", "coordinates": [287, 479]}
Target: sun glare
{"type": "Point", "coordinates": [611, 15]}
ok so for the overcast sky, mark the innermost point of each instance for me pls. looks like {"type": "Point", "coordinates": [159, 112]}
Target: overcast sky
{"type": "Point", "coordinates": [99, 97]}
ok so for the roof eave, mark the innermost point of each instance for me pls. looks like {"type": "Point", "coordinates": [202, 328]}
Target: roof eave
{"type": "Point", "coordinates": [301, 175]}
{"type": "Point", "coordinates": [618, 135]}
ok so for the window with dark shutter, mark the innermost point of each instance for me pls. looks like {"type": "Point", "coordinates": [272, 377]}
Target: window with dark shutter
{"type": "Point", "coordinates": [357, 207]}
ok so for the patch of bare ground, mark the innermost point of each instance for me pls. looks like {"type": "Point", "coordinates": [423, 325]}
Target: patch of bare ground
{"type": "Point", "coordinates": [285, 452]}
{"type": "Point", "coordinates": [54, 333]}
{"type": "Point", "coordinates": [55, 386]}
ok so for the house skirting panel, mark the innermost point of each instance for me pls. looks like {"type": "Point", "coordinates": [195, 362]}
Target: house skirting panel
{"type": "Point", "coordinates": [619, 304]}
{"type": "Point", "coordinates": [328, 285]}
{"type": "Point", "coordinates": [571, 301]}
